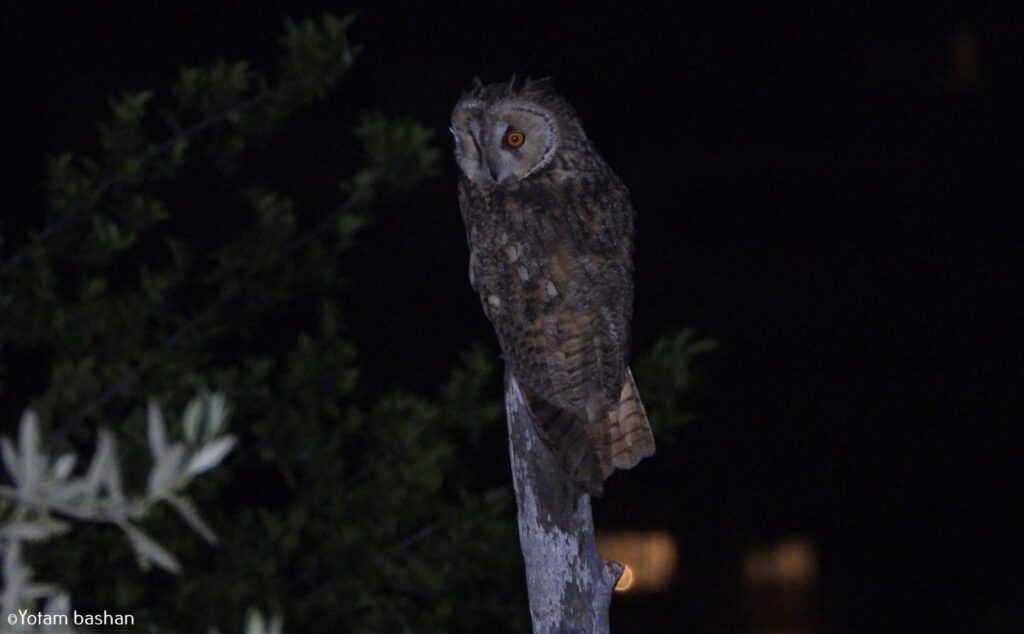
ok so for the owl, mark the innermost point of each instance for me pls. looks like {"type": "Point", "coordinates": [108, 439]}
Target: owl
{"type": "Point", "coordinates": [550, 231]}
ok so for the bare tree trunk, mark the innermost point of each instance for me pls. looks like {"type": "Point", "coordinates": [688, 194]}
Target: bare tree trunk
{"type": "Point", "coordinates": [569, 585]}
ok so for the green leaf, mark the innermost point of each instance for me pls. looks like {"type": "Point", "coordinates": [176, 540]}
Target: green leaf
{"type": "Point", "coordinates": [178, 152]}
{"type": "Point", "coordinates": [399, 150]}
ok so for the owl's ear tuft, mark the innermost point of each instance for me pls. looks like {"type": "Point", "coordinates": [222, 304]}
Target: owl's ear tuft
{"type": "Point", "coordinates": [544, 85]}
{"type": "Point", "coordinates": [475, 90]}
{"type": "Point", "coordinates": [517, 86]}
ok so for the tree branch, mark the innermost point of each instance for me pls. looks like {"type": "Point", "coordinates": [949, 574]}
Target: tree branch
{"type": "Point", "coordinates": [226, 295]}
{"type": "Point", "coordinates": [157, 151]}
{"type": "Point", "coordinates": [152, 152]}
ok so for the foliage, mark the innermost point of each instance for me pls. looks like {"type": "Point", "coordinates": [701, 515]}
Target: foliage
{"type": "Point", "coordinates": [46, 499]}
{"type": "Point", "coordinates": [167, 264]}
{"type": "Point", "coordinates": [341, 510]}
{"type": "Point", "coordinates": [667, 374]}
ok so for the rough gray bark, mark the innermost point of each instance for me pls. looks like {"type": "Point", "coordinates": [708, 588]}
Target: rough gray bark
{"type": "Point", "coordinates": [569, 585]}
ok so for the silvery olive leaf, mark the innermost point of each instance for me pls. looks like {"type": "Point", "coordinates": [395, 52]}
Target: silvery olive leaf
{"type": "Point", "coordinates": [167, 471]}
{"type": "Point", "coordinates": [188, 512]}
{"type": "Point", "coordinates": [31, 460]}
{"type": "Point", "coordinates": [59, 603]}
{"type": "Point", "coordinates": [36, 591]}
{"type": "Point", "coordinates": [34, 531]}
{"type": "Point", "coordinates": [256, 624]}
{"type": "Point", "coordinates": [100, 462]}
{"type": "Point", "coordinates": [63, 466]}
{"type": "Point", "coordinates": [156, 431]}
{"type": "Point", "coordinates": [111, 476]}
{"type": "Point", "coordinates": [191, 419]}
{"type": "Point", "coordinates": [10, 457]}
{"type": "Point", "coordinates": [217, 413]}
{"type": "Point", "coordinates": [148, 549]}
{"type": "Point", "coordinates": [210, 455]}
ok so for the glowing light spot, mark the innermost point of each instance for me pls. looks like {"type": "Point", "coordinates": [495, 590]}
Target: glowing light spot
{"type": "Point", "coordinates": [965, 60]}
{"type": "Point", "coordinates": [791, 562]}
{"type": "Point", "coordinates": [649, 558]}
{"type": "Point", "coordinates": [625, 581]}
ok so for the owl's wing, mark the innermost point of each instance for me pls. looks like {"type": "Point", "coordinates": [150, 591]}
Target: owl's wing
{"type": "Point", "coordinates": [576, 356]}
{"type": "Point", "coordinates": [562, 317]}
{"type": "Point", "coordinates": [595, 265]}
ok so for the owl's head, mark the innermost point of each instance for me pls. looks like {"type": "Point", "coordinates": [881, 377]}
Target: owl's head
{"type": "Point", "coordinates": [505, 133]}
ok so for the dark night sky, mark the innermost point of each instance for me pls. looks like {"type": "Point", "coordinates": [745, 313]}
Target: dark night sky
{"type": "Point", "coordinates": [813, 191]}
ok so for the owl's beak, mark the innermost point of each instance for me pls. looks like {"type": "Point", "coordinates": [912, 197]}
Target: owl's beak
{"type": "Point", "coordinates": [496, 168]}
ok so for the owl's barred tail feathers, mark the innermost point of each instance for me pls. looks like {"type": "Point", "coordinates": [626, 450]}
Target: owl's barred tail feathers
{"type": "Point", "coordinates": [632, 439]}
{"type": "Point", "coordinates": [591, 450]}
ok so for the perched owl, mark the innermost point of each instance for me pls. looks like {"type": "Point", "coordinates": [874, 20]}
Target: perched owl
{"type": "Point", "coordinates": [550, 230]}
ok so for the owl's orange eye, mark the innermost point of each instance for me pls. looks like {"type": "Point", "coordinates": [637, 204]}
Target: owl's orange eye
{"type": "Point", "coordinates": [514, 139]}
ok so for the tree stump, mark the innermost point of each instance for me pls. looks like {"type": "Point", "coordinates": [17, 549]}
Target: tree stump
{"type": "Point", "coordinates": [569, 585]}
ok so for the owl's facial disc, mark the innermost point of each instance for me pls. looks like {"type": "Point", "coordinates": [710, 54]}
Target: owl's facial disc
{"type": "Point", "coordinates": [467, 126]}
{"type": "Point", "coordinates": [503, 143]}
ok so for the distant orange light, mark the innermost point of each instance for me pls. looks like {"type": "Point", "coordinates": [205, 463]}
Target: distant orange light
{"type": "Point", "coordinates": [790, 562]}
{"type": "Point", "coordinates": [965, 60]}
{"type": "Point", "coordinates": [649, 558]}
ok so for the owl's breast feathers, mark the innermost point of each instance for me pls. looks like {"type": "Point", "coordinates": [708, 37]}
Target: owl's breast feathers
{"type": "Point", "coordinates": [554, 273]}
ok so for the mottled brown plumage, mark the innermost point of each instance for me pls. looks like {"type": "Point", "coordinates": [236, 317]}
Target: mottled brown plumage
{"type": "Point", "coordinates": [550, 230]}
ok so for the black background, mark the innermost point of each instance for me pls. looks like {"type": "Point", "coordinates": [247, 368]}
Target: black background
{"type": "Point", "coordinates": [813, 190]}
